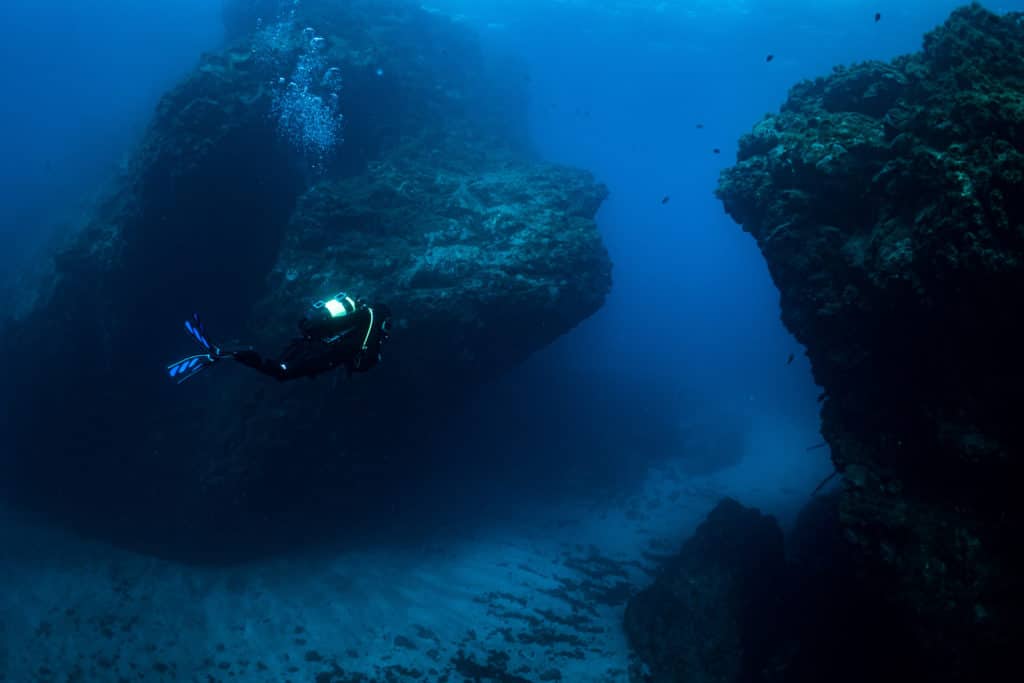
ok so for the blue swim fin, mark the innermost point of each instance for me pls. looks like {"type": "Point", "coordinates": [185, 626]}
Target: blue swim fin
{"type": "Point", "coordinates": [187, 368]}
{"type": "Point", "coordinates": [197, 331]}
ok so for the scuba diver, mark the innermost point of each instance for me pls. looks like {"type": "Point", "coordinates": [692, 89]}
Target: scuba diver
{"type": "Point", "coordinates": [338, 332]}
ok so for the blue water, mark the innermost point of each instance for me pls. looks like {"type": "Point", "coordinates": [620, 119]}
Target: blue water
{"type": "Point", "coordinates": [617, 87]}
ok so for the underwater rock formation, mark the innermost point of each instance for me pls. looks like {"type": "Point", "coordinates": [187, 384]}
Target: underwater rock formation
{"type": "Point", "coordinates": [829, 613]}
{"type": "Point", "coordinates": [733, 607]}
{"type": "Point", "coordinates": [709, 614]}
{"type": "Point", "coordinates": [887, 201]}
{"type": "Point", "coordinates": [338, 148]}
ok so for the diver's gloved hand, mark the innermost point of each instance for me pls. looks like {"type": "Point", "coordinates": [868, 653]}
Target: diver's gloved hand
{"type": "Point", "coordinates": [384, 330]}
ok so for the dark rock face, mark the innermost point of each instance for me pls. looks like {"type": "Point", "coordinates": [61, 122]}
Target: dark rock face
{"type": "Point", "coordinates": [834, 627]}
{"type": "Point", "coordinates": [708, 616]}
{"type": "Point", "coordinates": [732, 608]}
{"type": "Point", "coordinates": [429, 205]}
{"type": "Point", "coordinates": [886, 200]}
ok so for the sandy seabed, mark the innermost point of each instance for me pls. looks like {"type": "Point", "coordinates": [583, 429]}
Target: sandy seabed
{"type": "Point", "coordinates": [534, 599]}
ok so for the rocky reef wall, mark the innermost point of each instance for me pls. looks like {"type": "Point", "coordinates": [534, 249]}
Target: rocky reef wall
{"type": "Point", "coordinates": [887, 201]}
{"type": "Point", "coordinates": [738, 604]}
{"type": "Point", "coordinates": [339, 147]}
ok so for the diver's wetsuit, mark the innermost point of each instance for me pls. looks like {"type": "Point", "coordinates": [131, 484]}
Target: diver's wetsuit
{"type": "Point", "coordinates": [352, 341]}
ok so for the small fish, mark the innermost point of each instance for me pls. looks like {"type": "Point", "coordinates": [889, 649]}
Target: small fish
{"type": "Point", "coordinates": [790, 359]}
{"type": "Point", "coordinates": [878, 17]}
{"type": "Point", "coordinates": [716, 150]}
{"type": "Point", "coordinates": [664, 200]}
{"type": "Point", "coordinates": [769, 58]}
{"type": "Point", "coordinates": [825, 481]}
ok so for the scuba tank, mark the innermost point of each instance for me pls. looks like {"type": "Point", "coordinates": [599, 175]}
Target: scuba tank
{"type": "Point", "coordinates": [325, 318]}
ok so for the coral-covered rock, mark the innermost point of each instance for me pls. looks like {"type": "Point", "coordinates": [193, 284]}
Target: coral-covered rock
{"type": "Point", "coordinates": [886, 199]}
{"type": "Point", "coordinates": [708, 615]}
{"type": "Point", "coordinates": [244, 203]}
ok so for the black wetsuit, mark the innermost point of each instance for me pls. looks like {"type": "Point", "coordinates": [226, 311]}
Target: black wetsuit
{"type": "Point", "coordinates": [352, 341]}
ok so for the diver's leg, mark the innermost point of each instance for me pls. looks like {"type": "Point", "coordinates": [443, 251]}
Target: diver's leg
{"type": "Point", "coordinates": [252, 359]}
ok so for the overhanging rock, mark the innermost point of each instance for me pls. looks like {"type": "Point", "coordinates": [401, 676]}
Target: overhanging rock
{"type": "Point", "coordinates": [484, 255]}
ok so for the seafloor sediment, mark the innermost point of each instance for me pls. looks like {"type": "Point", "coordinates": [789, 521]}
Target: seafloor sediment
{"type": "Point", "coordinates": [540, 598]}
{"type": "Point", "coordinates": [887, 201]}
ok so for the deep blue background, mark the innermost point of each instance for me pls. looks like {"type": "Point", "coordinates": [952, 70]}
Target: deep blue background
{"type": "Point", "coordinates": [80, 81]}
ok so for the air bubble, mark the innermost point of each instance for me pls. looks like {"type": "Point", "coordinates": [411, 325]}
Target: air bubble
{"type": "Point", "coordinates": [306, 109]}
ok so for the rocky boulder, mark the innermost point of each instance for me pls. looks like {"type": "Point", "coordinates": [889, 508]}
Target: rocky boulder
{"type": "Point", "coordinates": [708, 616]}
{"type": "Point", "coordinates": [732, 607]}
{"type": "Point", "coordinates": [886, 199]}
{"type": "Point", "coordinates": [338, 148]}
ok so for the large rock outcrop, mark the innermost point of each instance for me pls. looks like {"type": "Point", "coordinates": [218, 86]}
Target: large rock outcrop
{"type": "Point", "coordinates": [709, 615]}
{"type": "Point", "coordinates": [242, 204]}
{"type": "Point", "coordinates": [887, 201]}
{"type": "Point", "coordinates": [734, 606]}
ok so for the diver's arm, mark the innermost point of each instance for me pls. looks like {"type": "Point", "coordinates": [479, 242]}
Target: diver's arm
{"type": "Point", "coordinates": [251, 359]}
{"type": "Point", "coordinates": [327, 345]}
{"type": "Point", "coordinates": [295, 361]}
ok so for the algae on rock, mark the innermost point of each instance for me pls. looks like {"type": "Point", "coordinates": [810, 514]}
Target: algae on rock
{"type": "Point", "coordinates": [886, 199]}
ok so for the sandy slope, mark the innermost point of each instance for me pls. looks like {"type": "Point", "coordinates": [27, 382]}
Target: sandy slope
{"type": "Point", "coordinates": [536, 600]}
